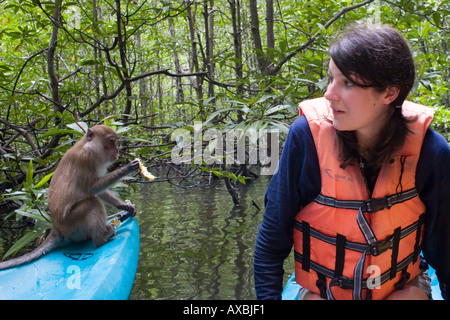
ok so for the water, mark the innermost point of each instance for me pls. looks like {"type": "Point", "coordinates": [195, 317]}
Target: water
{"type": "Point", "coordinates": [194, 243]}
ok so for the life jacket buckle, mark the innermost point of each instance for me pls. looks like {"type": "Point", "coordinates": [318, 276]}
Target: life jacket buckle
{"type": "Point", "coordinates": [403, 280]}
{"type": "Point", "coordinates": [377, 204]}
{"type": "Point", "coordinates": [344, 282]}
{"type": "Point", "coordinates": [382, 246]}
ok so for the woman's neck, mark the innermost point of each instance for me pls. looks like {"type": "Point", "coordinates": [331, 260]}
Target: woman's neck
{"type": "Point", "coordinates": [366, 144]}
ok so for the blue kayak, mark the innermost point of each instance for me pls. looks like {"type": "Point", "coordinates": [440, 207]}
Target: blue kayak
{"type": "Point", "coordinates": [79, 271]}
{"type": "Point", "coordinates": [290, 291]}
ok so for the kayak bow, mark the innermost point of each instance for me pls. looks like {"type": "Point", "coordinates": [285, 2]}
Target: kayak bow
{"type": "Point", "coordinates": [79, 271]}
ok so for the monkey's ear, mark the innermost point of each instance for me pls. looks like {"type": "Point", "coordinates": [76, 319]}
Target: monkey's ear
{"type": "Point", "coordinates": [89, 135]}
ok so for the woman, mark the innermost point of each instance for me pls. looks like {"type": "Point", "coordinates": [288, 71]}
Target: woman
{"type": "Point", "coordinates": [363, 184]}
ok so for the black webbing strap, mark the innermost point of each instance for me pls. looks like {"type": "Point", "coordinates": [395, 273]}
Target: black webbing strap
{"type": "Point", "coordinates": [321, 284]}
{"type": "Point", "coordinates": [403, 280]}
{"type": "Point", "coordinates": [417, 245]}
{"type": "Point", "coordinates": [306, 246]}
{"type": "Point", "coordinates": [394, 256]}
{"type": "Point", "coordinates": [340, 255]}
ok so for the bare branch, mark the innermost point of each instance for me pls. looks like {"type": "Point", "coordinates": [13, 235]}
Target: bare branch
{"type": "Point", "coordinates": [134, 79]}
{"type": "Point", "coordinates": [168, 73]}
{"type": "Point", "coordinates": [25, 134]}
{"type": "Point", "coordinates": [316, 35]}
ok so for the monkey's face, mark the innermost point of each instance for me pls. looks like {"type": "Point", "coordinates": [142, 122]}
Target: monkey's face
{"type": "Point", "coordinates": [102, 140]}
{"type": "Point", "coordinates": [112, 152]}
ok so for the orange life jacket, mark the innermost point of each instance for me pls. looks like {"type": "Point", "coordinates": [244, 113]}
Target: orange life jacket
{"type": "Point", "coordinates": [350, 246]}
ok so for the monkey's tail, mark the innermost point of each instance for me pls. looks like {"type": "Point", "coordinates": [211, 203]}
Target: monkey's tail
{"type": "Point", "coordinates": [54, 240]}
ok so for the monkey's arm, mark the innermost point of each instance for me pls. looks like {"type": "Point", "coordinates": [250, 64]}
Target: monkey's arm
{"type": "Point", "coordinates": [108, 197]}
{"type": "Point", "coordinates": [107, 181]}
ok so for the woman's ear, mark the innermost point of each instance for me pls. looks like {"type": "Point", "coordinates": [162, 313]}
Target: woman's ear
{"type": "Point", "coordinates": [390, 94]}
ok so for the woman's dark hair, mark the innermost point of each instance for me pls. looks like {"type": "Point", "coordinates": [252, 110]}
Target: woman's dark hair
{"type": "Point", "coordinates": [379, 57]}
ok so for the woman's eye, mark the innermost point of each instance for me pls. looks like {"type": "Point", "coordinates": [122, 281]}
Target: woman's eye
{"type": "Point", "coordinates": [348, 83]}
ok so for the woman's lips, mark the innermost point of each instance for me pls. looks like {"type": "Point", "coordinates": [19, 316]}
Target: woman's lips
{"type": "Point", "coordinates": [337, 110]}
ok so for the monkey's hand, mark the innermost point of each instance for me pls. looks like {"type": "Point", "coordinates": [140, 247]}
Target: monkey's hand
{"type": "Point", "coordinates": [131, 208]}
{"type": "Point", "coordinates": [133, 166]}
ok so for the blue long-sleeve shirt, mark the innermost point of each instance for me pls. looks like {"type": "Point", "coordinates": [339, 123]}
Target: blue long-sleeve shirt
{"type": "Point", "coordinates": [297, 182]}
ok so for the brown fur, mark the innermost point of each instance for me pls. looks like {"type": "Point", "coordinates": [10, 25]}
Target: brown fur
{"type": "Point", "coordinates": [77, 188]}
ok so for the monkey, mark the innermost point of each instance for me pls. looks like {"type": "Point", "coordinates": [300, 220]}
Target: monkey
{"type": "Point", "coordinates": [77, 190]}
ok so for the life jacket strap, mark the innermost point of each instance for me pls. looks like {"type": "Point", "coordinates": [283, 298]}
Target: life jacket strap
{"type": "Point", "coordinates": [345, 282]}
{"type": "Point", "coordinates": [340, 255]}
{"type": "Point", "coordinates": [417, 245]}
{"type": "Point", "coordinates": [394, 255]}
{"type": "Point", "coordinates": [306, 246]}
{"type": "Point", "coordinates": [371, 247]}
{"type": "Point", "coordinates": [375, 249]}
{"type": "Point", "coordinates": [321, 284]}
{"type": "Point", "coordinates": [371, 206]}
{"type": "Point", "coordinates": [404, 279]}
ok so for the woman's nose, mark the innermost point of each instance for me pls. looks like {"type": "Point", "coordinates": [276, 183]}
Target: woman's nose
{"type": "Point", "coordinates": [331, 92]}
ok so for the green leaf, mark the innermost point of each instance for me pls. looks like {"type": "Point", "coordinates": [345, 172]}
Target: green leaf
{"type": "Point", "coordinates": [437, 18]}
{"type": "Point", "coordinates": [34, 214]}
{"type": "Point", "coordinates": [242, 179]}
{"type": "Point", "coordinates": [217, 173]}
{"type": "Point", "coordinates": [17, 196]}
{"type": "Point", "coordinates": [80, 127]}
{"type": "Point", "coordinates": [55, 131]}
{"type": "Point", "coordinates": [22, 242]}
{"type": "Point", "coordinates": [276, 109]}
{"type": "Point", "coordinates": [424, 27]}
{"type": "Point", "coordinates": [125, 129]}
{"type": "Point", "coordinates": [29, 176]}
{"type": "Point", "coordinates": [90, 62]}
{"type": "Point", "coordinates": [44, 180]}
{"type": "Point", "coordinates": [216, 113]}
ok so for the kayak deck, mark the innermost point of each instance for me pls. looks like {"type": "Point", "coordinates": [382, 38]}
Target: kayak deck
{"type": "Point", "coordinates": [290, 291]}
{"type": "Point", "coordinates": [79, 271]}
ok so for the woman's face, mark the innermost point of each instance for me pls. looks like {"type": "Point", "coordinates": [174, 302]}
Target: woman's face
{"type": "Point", "coordinates": [360, 109]}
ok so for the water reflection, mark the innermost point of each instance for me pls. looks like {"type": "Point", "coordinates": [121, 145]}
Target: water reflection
{"type": "Point", "coordinates": [195, 244]}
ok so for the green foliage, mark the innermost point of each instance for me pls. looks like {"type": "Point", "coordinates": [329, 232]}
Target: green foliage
{"type": "Point", "coordinates": [26, 28]}
{"type": "Point", "coordinates": [33, 200]}
{"type": "Point", "coordinates": [146, 68]}
{"type": "Point", "coordinates": [441, 122]}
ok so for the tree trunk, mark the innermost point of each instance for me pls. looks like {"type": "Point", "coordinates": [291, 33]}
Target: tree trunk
{"type": "Point", "coordinates": [237, 39]}
{"type": "Point", "coordinates": [270, 35]}
{"type": "Point", "coordinates": [123, 60]}
{"type": "Point", "coordinates": [269, 24]}
{"type": "Point", "coordinates": [178, 80]}
{"type": "Point", "coordinates": [54, 82]}
{"type": "Point", "coordinates": [143, 86]}
{"type": "Point", "coordinates": [235, 8]}
{"type": "Point", "coordinates": [209, 34]}
{"type": "Point", "coordinates": [254, 27]}
{"type": "Point", "coordinates": [198, 80]}
{"type": "Point", "coordinates": [97, 55]}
